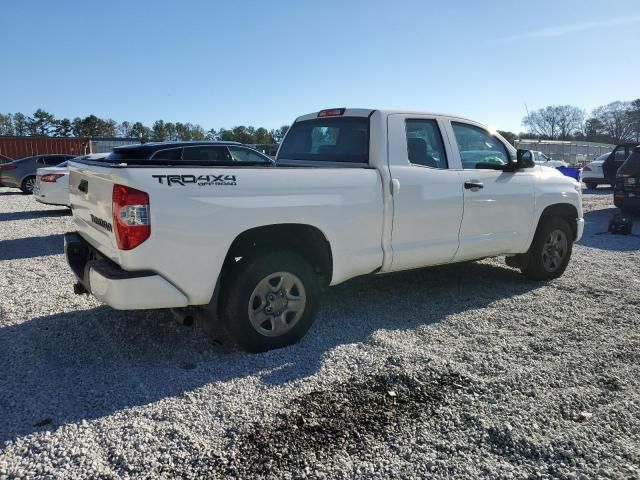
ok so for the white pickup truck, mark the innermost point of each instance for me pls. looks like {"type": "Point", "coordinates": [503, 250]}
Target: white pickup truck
{"type": "Point", "coordinates": [249, 244]}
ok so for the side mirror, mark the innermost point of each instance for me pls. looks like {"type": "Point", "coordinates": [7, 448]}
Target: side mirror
{"type": "Point", "coordinates": [524, 159]}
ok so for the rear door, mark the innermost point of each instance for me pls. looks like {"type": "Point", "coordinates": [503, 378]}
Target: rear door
{"type": "Point", "coordinates": [498, 205]}
{"type": "Point", "coordinates": [427, 192]}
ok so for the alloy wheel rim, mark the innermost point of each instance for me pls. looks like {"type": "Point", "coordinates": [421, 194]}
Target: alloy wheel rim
{"type": "Point", "coordinates": [554, 250]}
{"type": "Point", "coordinates": [30, 183]}
{"type": "Point", "coordinates": [277, 304]}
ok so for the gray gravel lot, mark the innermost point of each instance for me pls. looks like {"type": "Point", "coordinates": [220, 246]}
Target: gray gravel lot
{"type": "Point", "coordinates": [466, 370]}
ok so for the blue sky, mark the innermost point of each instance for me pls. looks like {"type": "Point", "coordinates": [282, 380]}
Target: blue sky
{"type": "Point", "coordinates": [226, 63]}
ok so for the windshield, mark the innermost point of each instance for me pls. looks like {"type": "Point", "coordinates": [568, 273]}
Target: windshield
{"type": "Point", "coordinates": [335, 139]}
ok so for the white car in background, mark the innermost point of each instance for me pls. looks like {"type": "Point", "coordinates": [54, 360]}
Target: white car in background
{"type": "Point", "coordinates": [52, 183]}
{"type": "Point", "coordinates": [542, 159]}
{"type": "Point", "coordinates": [592, 173]}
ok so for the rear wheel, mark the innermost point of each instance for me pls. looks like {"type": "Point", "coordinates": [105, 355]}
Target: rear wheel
{"type": "Point", "coordinates": [28, 184]}
{"type": "Point", "coordinates": [550, 250]}
{"type": "Point", "coordinates": [272, 301]}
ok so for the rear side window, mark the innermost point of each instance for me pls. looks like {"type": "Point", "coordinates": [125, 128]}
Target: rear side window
{"type": "Point", "coordinates": [240, 154]}
{"type": "Point", "coordinates": [335, 139]}
{"type": "Point", "coordinates": [169, 154]}
{"type": "Point", "coordinates": [207, 154]}
{"type": "Point", "coordinates": [54, 159]}
{"type": "Point", "coordinates": [631, 166]}
{"type": "Point", "coordinates": [424, 144]}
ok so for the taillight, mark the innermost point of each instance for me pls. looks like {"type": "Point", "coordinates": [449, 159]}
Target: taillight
{"type": "Point", "coordinates": [130, 216]}
{"type": "Point", "coordinates": [8, 167]}
{"type": "Point", "coordinates": [51, 177]}
{"type": "Point", "coordinates": [331, 112]}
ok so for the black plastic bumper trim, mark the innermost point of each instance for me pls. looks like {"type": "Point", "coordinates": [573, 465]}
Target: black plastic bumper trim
{"type": "Point", "coordinates": [82, 257]}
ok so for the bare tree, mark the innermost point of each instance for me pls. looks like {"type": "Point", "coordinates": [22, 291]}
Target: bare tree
{"type": "Point", "coordinates": [634, 117]}
{"type": "Point", "coordinates": [555, 121]}
{"type": "Point", "coordinates": [616, 121]}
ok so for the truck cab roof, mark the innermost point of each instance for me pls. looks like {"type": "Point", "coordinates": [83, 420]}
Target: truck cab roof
{"type": "Point", "coordinates": [368, 112]}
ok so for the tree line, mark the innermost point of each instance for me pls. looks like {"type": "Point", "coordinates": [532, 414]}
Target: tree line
{"type": "Point", "coordinates": [45, 124]}
{"type": "Point", "coordinates": [616, 122]}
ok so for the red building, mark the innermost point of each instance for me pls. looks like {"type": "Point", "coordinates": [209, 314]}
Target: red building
{"type": "Point", "coordinates": [20, 147]}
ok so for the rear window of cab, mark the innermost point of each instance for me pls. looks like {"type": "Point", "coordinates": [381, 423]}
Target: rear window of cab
{"type": "Point", "coordinates": [331, 139]}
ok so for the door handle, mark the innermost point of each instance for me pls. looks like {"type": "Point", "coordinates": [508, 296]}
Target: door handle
{"type": "Point", "coordinates": [395, 186]}
{"type": "Point", "coordinates": [473, 185]}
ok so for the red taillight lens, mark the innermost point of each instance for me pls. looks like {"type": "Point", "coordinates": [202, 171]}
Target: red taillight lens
{"type": "Point", "coordinates": [7, 167]}
{"type": "Point", "coordinates": [130, 216]}
{"type": "Point", "coordinates": [331, 112]}
{"type": "Point", "coordinates": [51, 177]}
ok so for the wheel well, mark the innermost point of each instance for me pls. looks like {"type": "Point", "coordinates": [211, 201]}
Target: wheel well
{"type": "Point", "coordinates": [307, 241]}
{"type": "Point", "coordinates": [565, 211]}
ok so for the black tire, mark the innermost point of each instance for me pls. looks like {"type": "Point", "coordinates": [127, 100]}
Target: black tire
{"type": "Point", "coordinates": [245, 282]}
{"type": "Point", "coordinates": [27, 185]}
{"type": "Point", "coordinates": [591, 185]}
{"type": "Point", "coordinates": [537, 267]}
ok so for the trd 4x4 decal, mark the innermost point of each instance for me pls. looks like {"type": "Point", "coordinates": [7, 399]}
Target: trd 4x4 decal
{"type": "Point", "coordinates": [200, 180]}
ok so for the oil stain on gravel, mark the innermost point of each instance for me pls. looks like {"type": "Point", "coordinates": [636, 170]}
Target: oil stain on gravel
{"type": "Point", "coordinates": [350, 417]}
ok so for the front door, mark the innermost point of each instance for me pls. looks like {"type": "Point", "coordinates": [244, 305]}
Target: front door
{"type": "Point", "coordinates": [427, 194]}
{"type": "Point", "coordinates": [498, 205]}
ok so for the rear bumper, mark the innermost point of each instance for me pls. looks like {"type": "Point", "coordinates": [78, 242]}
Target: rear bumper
{"type": "Point", "coordinates": [118, 288]}
{"type": "Point", "coordinates": [626, 200]}
{"type": "Point", "coordinates": [592, 176]}
{"type": "Point", "coordinates": [579, 229]}
{"type": "Point", "coordinates": [51, 199]}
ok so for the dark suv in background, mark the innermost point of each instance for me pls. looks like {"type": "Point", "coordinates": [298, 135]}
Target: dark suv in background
{"type": "Point", "coordinates": [626, 191]}
{"type": "Point", "coordinates": [615, 160]}
{"type": "Point", "coordinates": [22, 173]}
{"type": "Point", "coordinates": [195, 152]}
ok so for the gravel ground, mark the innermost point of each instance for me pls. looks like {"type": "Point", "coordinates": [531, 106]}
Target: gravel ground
{"type": "Point", "coordinates": [466, 370]}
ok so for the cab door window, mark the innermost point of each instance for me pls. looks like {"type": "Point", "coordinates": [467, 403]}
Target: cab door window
{"type": "Point", "coordinates": [424, 144]}
{"type": "Point", "coordinates": [478, 148]}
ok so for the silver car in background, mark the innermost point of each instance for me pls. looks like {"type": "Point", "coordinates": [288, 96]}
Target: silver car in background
{"type": "Point", "coordinates": [593, 174]}
{"type": "Point", "coordinates": [22, 173]}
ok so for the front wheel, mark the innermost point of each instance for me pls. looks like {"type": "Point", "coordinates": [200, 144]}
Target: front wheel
{"type": "Point", "coordinates": [272, 301]}
{"type": "Point", "coordinates": [550, 250]}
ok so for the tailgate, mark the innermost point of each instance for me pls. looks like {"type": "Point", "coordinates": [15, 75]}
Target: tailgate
{"type": "Point", "coordinates": [90, 194]}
